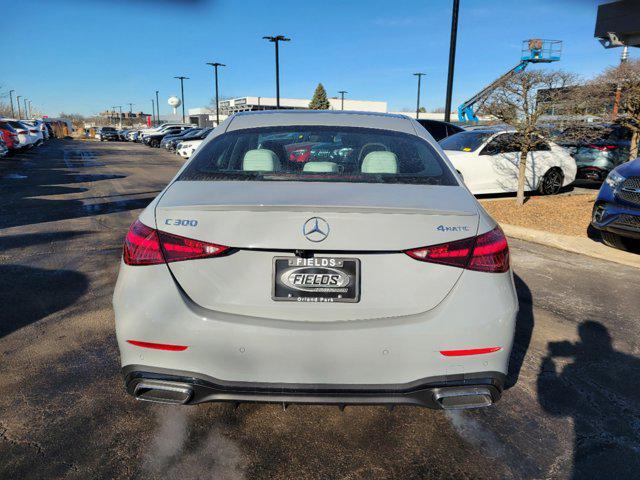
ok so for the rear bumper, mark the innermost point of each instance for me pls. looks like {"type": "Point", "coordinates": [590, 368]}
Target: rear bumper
{"type": "Point", "coordinates": [447, 392]}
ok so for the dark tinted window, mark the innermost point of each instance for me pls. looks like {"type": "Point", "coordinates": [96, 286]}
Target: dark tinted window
{"type": "Point", "coordinates": [318, 153]}
{"type": "Point", "coordinates": [505, 143]}
{"type": "Point", "coordinates": [438, 130]}
{"type": "Point", "coordinates": [465, 141]}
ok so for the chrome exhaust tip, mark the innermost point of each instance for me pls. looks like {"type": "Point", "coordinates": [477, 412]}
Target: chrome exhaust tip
{"type": "Point", "coordinates": [163, 392]}
{"type": "Point", "coordinates": [461, 398]}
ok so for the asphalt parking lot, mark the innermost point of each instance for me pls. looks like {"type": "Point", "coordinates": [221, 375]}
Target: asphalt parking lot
{"type": "Point", "coordinates": [571, 410]}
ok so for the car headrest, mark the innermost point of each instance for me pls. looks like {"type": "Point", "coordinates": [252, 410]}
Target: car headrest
{"type": "Point", "coordinates": [320, 167]}
{"type": "Point", "coordinates": [260, 160]}
{"type": "Point", "coordinates": [380, 162]}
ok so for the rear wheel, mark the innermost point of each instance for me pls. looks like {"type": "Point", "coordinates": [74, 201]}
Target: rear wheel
{"type": "Point", "coordinates": [155, 143]}
{"type": "Point", "coordinates": [551, 183]}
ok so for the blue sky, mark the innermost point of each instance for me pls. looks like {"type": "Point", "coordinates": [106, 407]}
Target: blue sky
{"type": "Point", "coordinates": [86, 55]}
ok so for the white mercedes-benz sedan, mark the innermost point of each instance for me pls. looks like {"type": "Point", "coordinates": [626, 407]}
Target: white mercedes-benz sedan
{"type": "Point", "coordinates": [316, 257]}
{"type": "Point", "coordinates": [488, 160]}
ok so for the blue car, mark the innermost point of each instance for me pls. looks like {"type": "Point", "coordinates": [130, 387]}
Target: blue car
{"type": "Point", "coordinates": [616, 212]}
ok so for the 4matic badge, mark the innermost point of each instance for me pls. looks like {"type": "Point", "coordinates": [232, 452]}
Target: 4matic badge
{"type": "Point", "coordinates": [452, 228]}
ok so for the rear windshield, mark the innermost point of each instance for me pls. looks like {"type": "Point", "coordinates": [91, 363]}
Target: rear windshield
{"type": "Point", "coordinates": [465, 141]}
{"type": "Point", "coordinates": [320, 154]}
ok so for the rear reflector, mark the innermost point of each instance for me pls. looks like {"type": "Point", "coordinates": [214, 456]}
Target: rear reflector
{"type": "Point", "coordinates": [158, 346]}
{"type": "Point", "coordinates": [488, 252]}
{"type": "Point", "coordinates": [472, 351]}
{"type": "Point", "coordinates": [146, 246]}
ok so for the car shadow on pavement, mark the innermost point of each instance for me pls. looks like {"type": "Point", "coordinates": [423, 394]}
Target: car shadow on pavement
{"type": "Point", "coordinates": [30, 239]}
{"type": "Point", "coordinates": [597, 387]}
{"type": "Point", "coordinates": [523, 332]}
{"type": "Point", "coordinates": [28, 294]}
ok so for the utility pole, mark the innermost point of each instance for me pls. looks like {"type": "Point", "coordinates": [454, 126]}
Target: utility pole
{"type": "Point", "coordinates": [157, 110]}
{"type": "Point", "coordinates": [452, 59]}
{"type": "Point", "coordinates": [616, 102]}
{"type": "Point", "coordinates": [342, 92]}
{"type": "Point", "coordinates": [182, 79]}
{"type": "Point", "coordinates": [275, 40]}
{"type": "Point", "coordinates": [215, 66]}
{"type": "Point", "coordinates": [130, 112]}
{"type": "Point", "coordinates": [419, 75]}
{"type": "Point", "coordinates": [13, 113]}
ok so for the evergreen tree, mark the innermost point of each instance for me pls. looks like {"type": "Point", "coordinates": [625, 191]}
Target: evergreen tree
{"type": "Point", "coordinates": [319, 100]}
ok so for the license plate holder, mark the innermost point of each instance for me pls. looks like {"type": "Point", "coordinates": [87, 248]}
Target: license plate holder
{"type": "Point", "coordinates": [316, 280]}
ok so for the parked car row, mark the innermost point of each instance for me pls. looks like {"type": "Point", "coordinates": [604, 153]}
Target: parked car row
{"type": "Point", "coordinates": [21, 135]}
{"type": "Point", "coordinates": [178, 138]}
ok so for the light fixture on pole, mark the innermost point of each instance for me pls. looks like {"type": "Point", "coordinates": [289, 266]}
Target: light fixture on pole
{"type": "Point", "coordinates": [13, 113]}
{"type": "Point", "coordinates": [275, 40]}
{"type": "Point", "coordinates": [215, 66]}
{"type": "Point", "coordinates": [182, 79]}
{"type": "Point", "coordinates": [342, 92]}
{"type": "Point", "coordinates": [419, 75]}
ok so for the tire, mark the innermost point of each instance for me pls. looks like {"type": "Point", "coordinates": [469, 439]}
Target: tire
{"type": "Point", "coordinates": [551, 183]}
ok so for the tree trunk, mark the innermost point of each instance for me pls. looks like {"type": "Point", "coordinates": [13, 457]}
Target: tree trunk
{"type": "Point", "coordinates": [522, 171]}
{"type": "Point", "coordinates": [633, 148]}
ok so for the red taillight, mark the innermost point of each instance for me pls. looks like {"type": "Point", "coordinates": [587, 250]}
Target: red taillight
{"type": "Point", "coordinates": [177, 248]}
{"type": "Point", "coordinates": [145, 246]}
{"type": "Point", "coordinates": [603, 148]}
{"type": "Point", "coordinates": [488, 252]}
{"type": "Point", "coordinates": [141, 246]}
{"type": "Point", "coordinates": [455, 254]}
{"type": "Point", "coordinates": [158, 346]}
{"type": "Point", "coordinates": [470, 351]}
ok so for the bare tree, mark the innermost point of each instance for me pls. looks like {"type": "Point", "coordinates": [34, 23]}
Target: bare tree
{"type": "Point", "coordinates": [517, 102]}
{"type": "Point", "coordinates": [617, 85]}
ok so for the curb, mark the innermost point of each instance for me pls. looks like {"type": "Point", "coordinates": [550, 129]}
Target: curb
{"type": "Point", "coordinates": [583, 246]}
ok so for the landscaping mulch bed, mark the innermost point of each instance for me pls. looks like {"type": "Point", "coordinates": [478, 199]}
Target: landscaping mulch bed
{"type": "Point", "coordinates": [564, 214]}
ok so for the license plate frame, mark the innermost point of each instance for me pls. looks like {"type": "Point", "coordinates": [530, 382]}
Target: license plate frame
{"type": "Point", "coordinates": [317, 267]}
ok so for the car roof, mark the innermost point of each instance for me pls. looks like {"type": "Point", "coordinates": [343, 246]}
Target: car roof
{"type": "Point", "coordinates": [331, 118]}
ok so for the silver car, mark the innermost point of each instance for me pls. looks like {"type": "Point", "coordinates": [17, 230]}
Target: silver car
{"type": "Point", "coordinates": [316, 257]}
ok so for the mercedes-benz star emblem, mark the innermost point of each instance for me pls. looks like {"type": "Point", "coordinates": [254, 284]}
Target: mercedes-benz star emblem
{"type": "Point", "coordinates": [316, 229]}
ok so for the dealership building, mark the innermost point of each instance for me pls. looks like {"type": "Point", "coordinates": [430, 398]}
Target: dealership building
{"type": "Point", "coordinates": [206, 117]}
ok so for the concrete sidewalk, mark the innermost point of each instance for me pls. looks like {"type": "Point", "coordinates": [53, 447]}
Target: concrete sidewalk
{"type": "Point", "coordinates": [584, 246]}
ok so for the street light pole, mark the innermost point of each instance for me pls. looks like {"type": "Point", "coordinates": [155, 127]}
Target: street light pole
{"type": "Point", "coordinates": [30, 109]}
{"type": "Point", "coordinates": [419, 75]}
{"type": "Point", "coordinates": [215, 66]}
{"type": "Point", "coordinates": [452, 59]}
{"type": "Point", "coordinates": [342, 92]}
{"type": "Point", "coordinates": [157, 110]}
{"type": "Point", "coordinates": [13, 113]}
{"type": "Point", "coordinates": [182, 79]}
{"type": "Point", "coordinates": [112, 118]}
{"type": "Point", "coordinates": [119, 115]}
{"type": "Point", "coordinates": [153, 111]}
{"type": "Point", "coordinates": [275, 40]}
{"type": "Point", "coordinates": [25, 107]}
{"type": "Point", "coordinates": [18, 97]}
